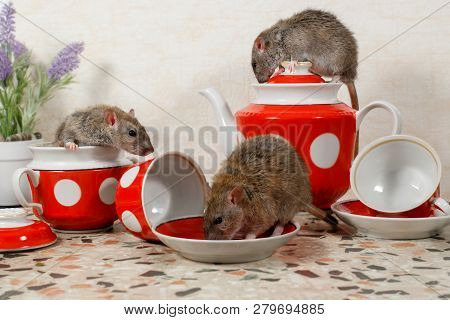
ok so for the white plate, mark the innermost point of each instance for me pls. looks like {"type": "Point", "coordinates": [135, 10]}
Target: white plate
{"type": "Point", "coordinates": [388, 228]}
{"type": "Point", "coordinates": [226, 251]}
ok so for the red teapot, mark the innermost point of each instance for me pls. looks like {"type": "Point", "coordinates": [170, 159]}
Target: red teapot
{"type": "Point", "coordinates": [304, 109]}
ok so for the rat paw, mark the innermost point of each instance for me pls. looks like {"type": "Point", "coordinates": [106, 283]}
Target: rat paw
{"type": "Point", "coordinates": [279, 228]}
{"type": "Point", "coordinates": [72, 146]}
{"type": "Point", "coordinates": [335, 79]}
{"type": "Point", "coordinates": [250, 236]}
{"type": "Point", "coordinates": [133, 159]}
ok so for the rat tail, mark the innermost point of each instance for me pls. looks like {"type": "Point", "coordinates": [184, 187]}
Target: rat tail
{"type": "Point", "coordinates": [319, 213]}
{"type": "Point", "coordinates": [353, 95]}
{"type": "Point", "coordinates": [355, 105]}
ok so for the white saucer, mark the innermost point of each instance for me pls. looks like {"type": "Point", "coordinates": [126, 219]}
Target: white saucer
{"type": "Point", "coordinates": [226, 251]}
{"type": "Point", "coordinates": [355, 213]}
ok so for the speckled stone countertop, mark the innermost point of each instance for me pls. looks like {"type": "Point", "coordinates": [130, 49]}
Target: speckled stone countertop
{"type": "Point", "coordinates": [314, 265]}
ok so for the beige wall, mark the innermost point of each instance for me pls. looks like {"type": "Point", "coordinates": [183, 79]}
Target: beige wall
{"type": "Point", "coordinates": [168, 50]}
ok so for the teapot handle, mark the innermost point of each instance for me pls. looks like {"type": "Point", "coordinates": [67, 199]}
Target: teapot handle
{"type": "Point", "coordinates": [361, 114]}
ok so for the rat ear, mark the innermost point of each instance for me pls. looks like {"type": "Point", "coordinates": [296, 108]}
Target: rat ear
{"type": "Point", "coordinates": [260, 45]}
{"type": "Point", "coordinates": [132, 113]}
{"type": "Point", "coordinates": [235, 195]}
{"type": "Point", "coordinates": [111, 118]}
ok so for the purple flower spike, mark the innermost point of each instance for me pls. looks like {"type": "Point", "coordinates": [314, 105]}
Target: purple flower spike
{"type": "Point", "coordinates": [5, 66]}
{"type": "Point", "coordinates": [7, 22]}
{"type": "Point", "coordinates": [18, 48]}
{"type": "Point", "coordinates": [65, 61]}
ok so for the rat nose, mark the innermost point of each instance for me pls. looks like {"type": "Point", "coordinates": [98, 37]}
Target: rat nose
{"type": "Point", "coordinates": [147, 151]}
{"type": "Point", "coordinates": [146, 148]}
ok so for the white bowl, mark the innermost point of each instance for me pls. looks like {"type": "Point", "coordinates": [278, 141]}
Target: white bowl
{"type": "Point", "coordinates": [388, 228]}
{"type": "Point", "coordinates": [227, 251]}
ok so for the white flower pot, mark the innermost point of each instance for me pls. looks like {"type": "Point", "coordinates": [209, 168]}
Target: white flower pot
{"type": "Point", "coordinates": [13, 155]}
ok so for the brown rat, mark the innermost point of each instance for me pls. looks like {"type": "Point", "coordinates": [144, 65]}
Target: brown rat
{"type": "Point", "coordinates": [104, 126]}
{"type": "Point", "coordinates": [262, 184]}
{"type": "Point", "coordinates": [311, 35]}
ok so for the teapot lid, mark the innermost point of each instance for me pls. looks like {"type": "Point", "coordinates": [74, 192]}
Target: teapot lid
{"type": "Point", "coordinates": [296, 85]}
{"type": "Point", "coordinates": [295, 72]}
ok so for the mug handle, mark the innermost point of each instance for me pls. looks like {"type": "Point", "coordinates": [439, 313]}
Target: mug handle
{"type": "Point", "coordinates": [361, 114]}
{"type": "Point", "coordinates": [18, 192]}
{"type": "Point", "coordinates": [442, 206]}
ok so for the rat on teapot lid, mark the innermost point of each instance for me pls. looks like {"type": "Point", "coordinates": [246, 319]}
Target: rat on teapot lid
{"type": "Point", "coordinates": [295, 72]}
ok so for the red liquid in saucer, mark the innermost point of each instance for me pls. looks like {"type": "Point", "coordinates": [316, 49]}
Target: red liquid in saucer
{"type": "Point", "coordinates": [192, 228]}
{"type": "Point", "coordinates": [360, 209]}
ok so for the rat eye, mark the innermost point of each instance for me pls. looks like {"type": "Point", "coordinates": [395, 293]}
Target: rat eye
{"type": "Point", "coordinates": [132, 133]}
{"type": "Point", "coordinates": [253, 65]}
{"type": "Point", "coordinates": [218, 220]}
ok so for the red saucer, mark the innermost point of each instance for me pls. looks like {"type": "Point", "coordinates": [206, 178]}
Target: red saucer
{"type": "Point", "coordinates": [18, 234]}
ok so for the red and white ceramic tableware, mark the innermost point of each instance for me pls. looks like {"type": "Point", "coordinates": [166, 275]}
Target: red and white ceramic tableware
{"type": "Point", "coordinates": [399, 175]}
{"type": "Point", "coordinates": [18, 234]}
{"type": "Point", "coordinates": [161, 190]}
{"type": "Point", "coordinates": [73, 191]}
{"type": "Point", "coordinates": [305, 110]}
{"type": "Point", "coordinates": [163, 200]}
{"type": "Point", "coordinates": [367, 222]}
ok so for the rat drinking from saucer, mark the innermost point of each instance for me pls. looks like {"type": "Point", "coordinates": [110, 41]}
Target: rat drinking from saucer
{"type": "Point", "coordinates": [104, 125]}
{"type": "Point", "coordinates": [263, 183]}
{"type": "Point", "coordinates": [311, 35]}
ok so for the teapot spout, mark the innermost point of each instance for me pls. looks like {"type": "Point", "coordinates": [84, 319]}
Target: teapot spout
{"type": "Point", "coordinates": [228, 135]}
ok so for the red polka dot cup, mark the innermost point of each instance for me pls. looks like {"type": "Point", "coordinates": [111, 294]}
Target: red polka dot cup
{"type": "Point", "coordinates": [163, 190]}
{"type": "Point", "coordinates": [73, 191]}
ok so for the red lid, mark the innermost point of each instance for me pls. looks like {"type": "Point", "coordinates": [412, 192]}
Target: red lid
{"type": "Point", "coordinates": [295, 72]}
{"type": "Point", "coordinates": [17, 234]}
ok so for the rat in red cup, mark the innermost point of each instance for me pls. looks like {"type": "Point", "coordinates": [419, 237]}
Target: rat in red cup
{"type": "Point", "coordinates": [104, 126]}
{"type": "Point", "coordinates": [263, 183]}
{"type": "Point", "coordinates": [310, 35]}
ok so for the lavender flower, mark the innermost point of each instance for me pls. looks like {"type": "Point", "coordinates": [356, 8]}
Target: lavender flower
{"type": "Point", "coordinates": [18, 48]}
{"type": "Point", "coordinates": [7, 23]}
{"type": "Point", "coordinates": [65, 61]}
{"type": "Point", "coordinates": [5, 66]}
